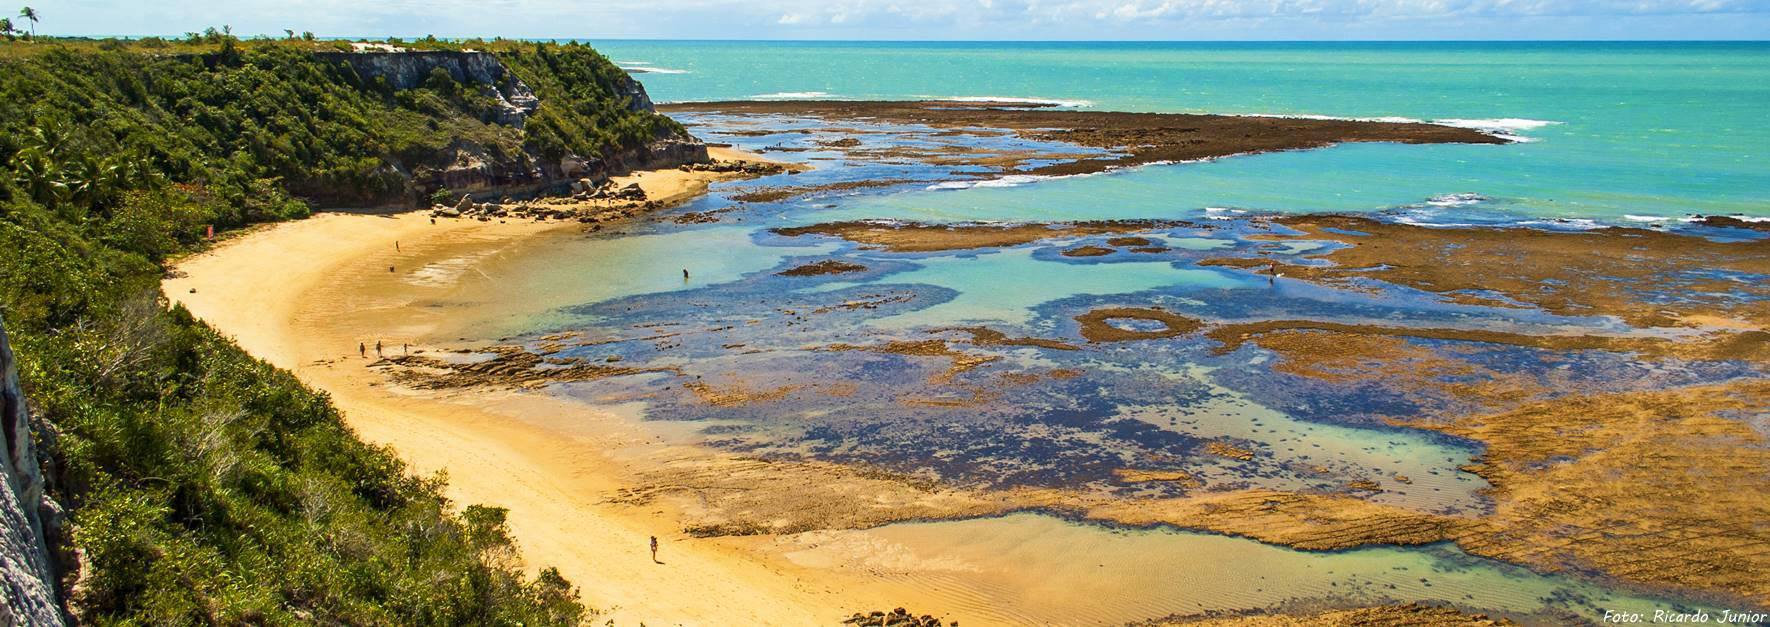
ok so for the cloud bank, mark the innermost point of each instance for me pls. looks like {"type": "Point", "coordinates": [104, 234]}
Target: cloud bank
{"type": "Point", "coordinates": [936, 19]}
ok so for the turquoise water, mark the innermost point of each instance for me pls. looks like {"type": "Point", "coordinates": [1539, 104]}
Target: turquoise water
{"type": "Point", "coordinates": [1611, 133]}
{"type": "Point", "coordinates": [1617, 129]}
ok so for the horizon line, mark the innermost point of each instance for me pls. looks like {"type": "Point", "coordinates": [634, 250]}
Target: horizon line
{"type": "Point", "coordinates": [382, 38]}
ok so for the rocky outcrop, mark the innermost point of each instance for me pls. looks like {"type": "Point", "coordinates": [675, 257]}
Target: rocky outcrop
{"type": "Point", "coordinates": [487, 171]}
{"type": "Point", "coordinates": [27, 580]}
{"type": "Point", "coordinates": [406, 70]}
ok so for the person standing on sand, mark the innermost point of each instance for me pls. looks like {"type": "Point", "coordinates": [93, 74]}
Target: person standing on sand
{"type": "Point", "coordinates": [377, 348]}
{"type": "Point", "coordinates": [654, 548]}
{"type": "Point", "coordinates": [361, 350]}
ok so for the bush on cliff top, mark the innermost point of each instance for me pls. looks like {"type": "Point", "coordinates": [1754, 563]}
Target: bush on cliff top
{"type": "Point", "coordinates": [204, 486]}
{"type": "Point", "coordinates": [296, 125]}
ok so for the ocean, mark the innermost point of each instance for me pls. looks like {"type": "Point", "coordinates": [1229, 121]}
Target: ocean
{"type": "Point", "coordinates": [1616, 132]}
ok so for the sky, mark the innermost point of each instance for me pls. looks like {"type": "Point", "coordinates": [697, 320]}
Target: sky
{"type": "Point", "coordinates": [926, 19]}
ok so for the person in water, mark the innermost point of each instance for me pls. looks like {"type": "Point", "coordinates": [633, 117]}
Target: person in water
{"type": "Point", "coordinates": [654, 548]}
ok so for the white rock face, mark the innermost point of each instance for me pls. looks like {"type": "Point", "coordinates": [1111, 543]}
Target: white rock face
{"type": "Point", "coordinates": [27, 585]}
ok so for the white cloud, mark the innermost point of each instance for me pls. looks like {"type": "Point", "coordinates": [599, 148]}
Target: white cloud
{"type": "Point", "coordinates": [900, 19]}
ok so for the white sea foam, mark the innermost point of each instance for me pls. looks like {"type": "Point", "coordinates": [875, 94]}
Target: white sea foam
{"type": "Point", "coordinates": [1012, 180]}
{"type": "Point", "coordinates": [1583, 224]}
{"type": "Point", "coordinates": [1455, 200]}
{"type": "Point", "coordinates": [1014, 100]}
{"type": "Point", "coordinates": [1497, 124]}
{"type": "Point", "coordinates": [1218, 213]}
{"type": "Point", "coordinates": [794, 95]}
{"type": "Point", "coordinates": [1637, 218]}
{"type": "Point", "coordinates": [1313, 116]}
{"type": "Point", "coordinates": [647, 69]}
{"type": "Point", "coordinates": [1503, 128]}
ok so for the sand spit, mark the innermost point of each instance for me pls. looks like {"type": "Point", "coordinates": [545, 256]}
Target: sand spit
{"type": "Point", "coordinates": [1143, 137]}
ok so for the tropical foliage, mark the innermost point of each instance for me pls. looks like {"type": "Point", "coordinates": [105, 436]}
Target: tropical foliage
{"type": "Point", "coordinates": [204, 486]}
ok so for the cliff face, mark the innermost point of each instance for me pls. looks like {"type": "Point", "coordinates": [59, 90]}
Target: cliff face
{"type": "Point", "coordinates": [467, 167]}
{"type": "Point", "coordinates": [27, 581]}
{"type": "Point", "coordinates": [406, 70]}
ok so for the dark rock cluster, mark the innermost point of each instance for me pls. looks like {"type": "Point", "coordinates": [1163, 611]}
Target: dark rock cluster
{"type": "Point", "coordinates": [896, 618]}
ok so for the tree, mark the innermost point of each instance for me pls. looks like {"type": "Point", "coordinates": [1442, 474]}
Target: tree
{"type": "Point", "coordinates": [6, 27]}
{"type": "Point", "coordinates": [30, 14]}
{"type": "Point", "coordinates": [289, 33]}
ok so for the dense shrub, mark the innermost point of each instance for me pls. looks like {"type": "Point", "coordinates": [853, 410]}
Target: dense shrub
{"type": "Point", "coordinates": [203, 485]}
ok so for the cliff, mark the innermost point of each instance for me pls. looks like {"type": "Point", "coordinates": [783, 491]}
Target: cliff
{"type": "Point", "coordinates": [487, 168]}
{"type": "Point", "coordinates": [26, 575]}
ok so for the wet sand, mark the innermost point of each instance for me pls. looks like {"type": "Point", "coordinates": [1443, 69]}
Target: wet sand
{"type": "Point", "coordinates": [303, 294]}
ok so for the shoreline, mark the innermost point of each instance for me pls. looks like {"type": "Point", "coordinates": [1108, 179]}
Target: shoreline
{"type": "Point", "coordinates": [551, 460]}
{"type": "Point", "coordinates": [555, 484]}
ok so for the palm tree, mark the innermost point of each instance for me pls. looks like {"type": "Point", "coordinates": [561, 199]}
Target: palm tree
{"type": "Point", "coordinates": [5, 27]}
{"type": "Point", "coordinates": [30, 14]}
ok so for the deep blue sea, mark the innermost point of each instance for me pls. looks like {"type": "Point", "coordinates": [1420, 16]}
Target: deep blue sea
{"type": "Point", "coordinates": [1650, 130]}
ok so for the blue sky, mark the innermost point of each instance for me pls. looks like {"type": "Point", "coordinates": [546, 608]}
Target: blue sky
{"type": "Point", "coordinates": [929, 19]}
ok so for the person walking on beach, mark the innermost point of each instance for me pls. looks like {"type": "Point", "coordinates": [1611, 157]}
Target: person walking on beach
{"type": "Point", "coordinates": [361, 350]}
{"type": "Point", "coordinates": [654, 548]}
{"type": "Point", "coordinates": [377, 348]}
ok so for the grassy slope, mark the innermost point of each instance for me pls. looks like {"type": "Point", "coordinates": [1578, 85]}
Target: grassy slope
{"type": "Point", "coordinates": [203, 485]}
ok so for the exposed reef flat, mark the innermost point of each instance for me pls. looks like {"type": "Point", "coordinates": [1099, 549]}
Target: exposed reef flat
{"type": "Point", "coordinates": [1647, 278]}
{"type": "Point", "coordinates": [1137, 138]}
{"type": "Point", "coordinates": [922, 237]}
{"type": "Point", "coordinates": [1579, 459]}
{"type": "Point", "coordinates": [1409, 615]}
{"type": "Point", "coordinates": [1171, 382]}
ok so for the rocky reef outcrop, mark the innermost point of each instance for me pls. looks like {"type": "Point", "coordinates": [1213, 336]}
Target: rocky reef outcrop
{"type": "Point", "coordinates": [27, 580]}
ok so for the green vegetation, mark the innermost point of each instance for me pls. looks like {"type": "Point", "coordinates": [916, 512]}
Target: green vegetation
{"type": "Point", "coordinates": [30, 15]}
{"type": "Point", "coordinates": [205, 486]}
{"type": "Point", "coordinates": [239, 118]}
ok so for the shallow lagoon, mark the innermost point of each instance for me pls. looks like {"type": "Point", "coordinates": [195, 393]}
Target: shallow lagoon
{"type": "Point", "coordinates": [736, 324]}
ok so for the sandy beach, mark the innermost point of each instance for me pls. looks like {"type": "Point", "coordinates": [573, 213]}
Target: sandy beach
{"type": "Point", "coordinates": [303, 294]}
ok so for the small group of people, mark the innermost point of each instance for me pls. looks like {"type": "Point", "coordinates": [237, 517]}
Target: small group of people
{"type": "Point", "coordinates": [362, 349]}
